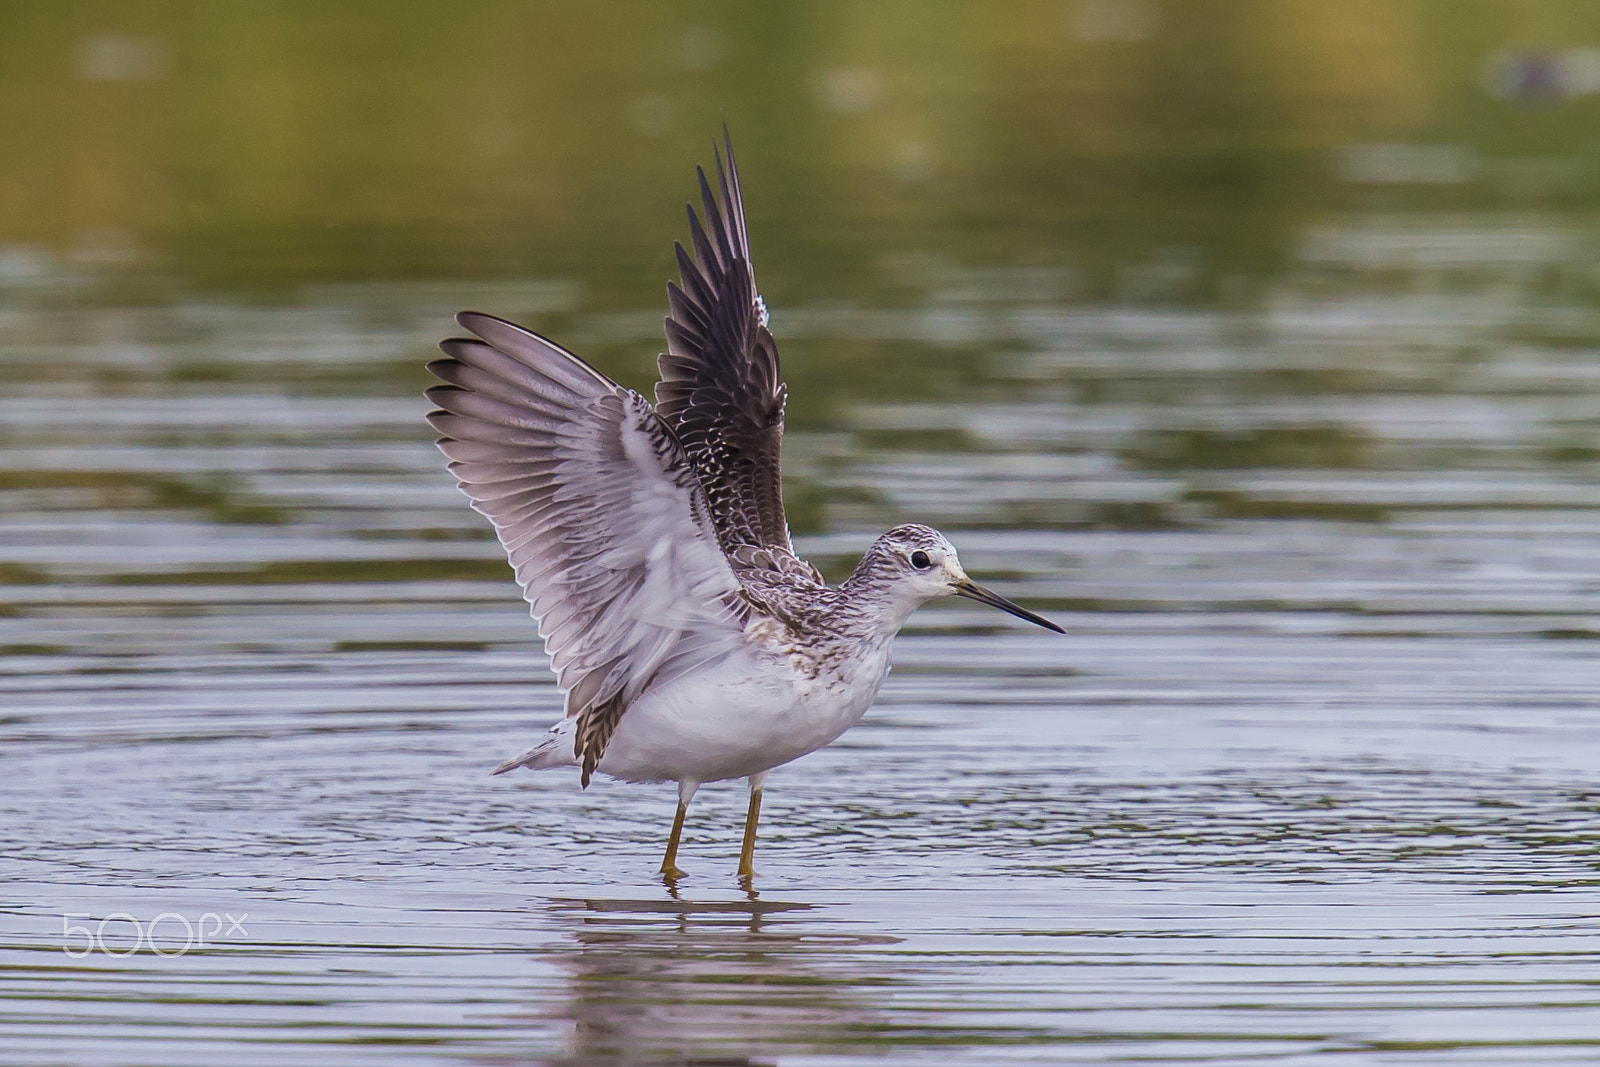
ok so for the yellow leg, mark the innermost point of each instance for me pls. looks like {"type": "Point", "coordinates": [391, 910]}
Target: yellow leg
{"type": "Point", "coordinates": [747, 854]}
{"type": "Point", "coordinates": [669, 862]}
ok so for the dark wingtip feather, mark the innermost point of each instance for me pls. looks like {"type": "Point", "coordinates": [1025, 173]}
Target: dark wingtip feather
{"type": "Point", "coordinates": [720, 388]}
{"type": "Point", "coordinates": [715, 222]}
{"type": "Point", "coordinates": [732, 198]}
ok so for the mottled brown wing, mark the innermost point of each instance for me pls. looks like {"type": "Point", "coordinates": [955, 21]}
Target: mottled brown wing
{"type": "Point", "coordinates": [720, 388]}
{"type": "Point", "coordinates": [600, 514]}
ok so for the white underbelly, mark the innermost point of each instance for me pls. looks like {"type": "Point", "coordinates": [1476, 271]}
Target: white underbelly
{"type": "Point", "coordinates": [746, 715]}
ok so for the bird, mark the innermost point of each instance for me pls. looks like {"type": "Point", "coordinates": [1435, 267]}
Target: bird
{"type": "Point", "coordinates": [692, 643]}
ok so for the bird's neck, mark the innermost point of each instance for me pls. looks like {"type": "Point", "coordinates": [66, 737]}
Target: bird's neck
{"type": "Point", "coordinates": [880, 601]}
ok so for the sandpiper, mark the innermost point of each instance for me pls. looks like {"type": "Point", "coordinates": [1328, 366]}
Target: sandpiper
{"type": "Point", "coordinates": [692, 643]}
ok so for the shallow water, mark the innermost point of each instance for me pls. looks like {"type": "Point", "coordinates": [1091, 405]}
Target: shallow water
{"type": "Point", "coordinates": [1312, 776]}
{"type": "Point", "coordinates": [1260, 352]}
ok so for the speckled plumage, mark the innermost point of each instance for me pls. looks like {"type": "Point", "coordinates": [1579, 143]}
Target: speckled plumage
{"type": "Point", "coordinates": [650, 542]}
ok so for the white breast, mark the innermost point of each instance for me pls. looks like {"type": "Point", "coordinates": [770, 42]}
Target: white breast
{"type": "Point", "coordinates": [747, 714]}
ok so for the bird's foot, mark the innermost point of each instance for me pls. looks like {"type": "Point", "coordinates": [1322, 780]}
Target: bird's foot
{"type": "Point", "coordinates": [671, 874]}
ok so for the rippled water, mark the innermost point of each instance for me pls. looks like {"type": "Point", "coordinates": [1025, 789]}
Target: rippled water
{"type": "Point", "coordinates": [1311, 778]}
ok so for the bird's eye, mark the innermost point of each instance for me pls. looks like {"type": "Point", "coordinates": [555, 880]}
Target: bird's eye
{"type": "Point", "coordinates": [920, 560]}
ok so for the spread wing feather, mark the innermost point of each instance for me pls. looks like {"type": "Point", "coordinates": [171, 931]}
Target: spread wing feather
{"type": "Point", "coordinates": [720, 389]}
{"type": "Point", "coordinates": [600, 513]}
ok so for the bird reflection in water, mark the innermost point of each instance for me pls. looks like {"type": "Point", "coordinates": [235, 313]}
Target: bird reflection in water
{"type": "Point", "coordinates": [715, 982]}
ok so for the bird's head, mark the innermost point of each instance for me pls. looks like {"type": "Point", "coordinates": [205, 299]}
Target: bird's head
{"type": "Point", "coordinates": [917, 563]}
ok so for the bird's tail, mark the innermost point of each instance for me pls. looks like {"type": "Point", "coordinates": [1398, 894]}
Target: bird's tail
{"type": "Point", "coordinates": [556, 750]}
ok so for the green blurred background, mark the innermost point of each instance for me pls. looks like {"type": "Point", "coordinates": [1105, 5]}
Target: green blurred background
{"type": "Point", "coordinates": [1145, 151]}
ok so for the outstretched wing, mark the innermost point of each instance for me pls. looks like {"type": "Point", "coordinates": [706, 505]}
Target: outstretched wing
{"type": "Point", "coordinates": [720, 389]}
{"type": "Point", "coordinates": [599, 511]}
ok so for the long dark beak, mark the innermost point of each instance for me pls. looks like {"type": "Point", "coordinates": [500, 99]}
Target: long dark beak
{"type": "Point", "coordinates": [973, 591]}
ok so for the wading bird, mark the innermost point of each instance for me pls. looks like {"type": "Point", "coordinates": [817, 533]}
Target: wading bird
{"type": "Point", "coordinates": [692, 643]}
